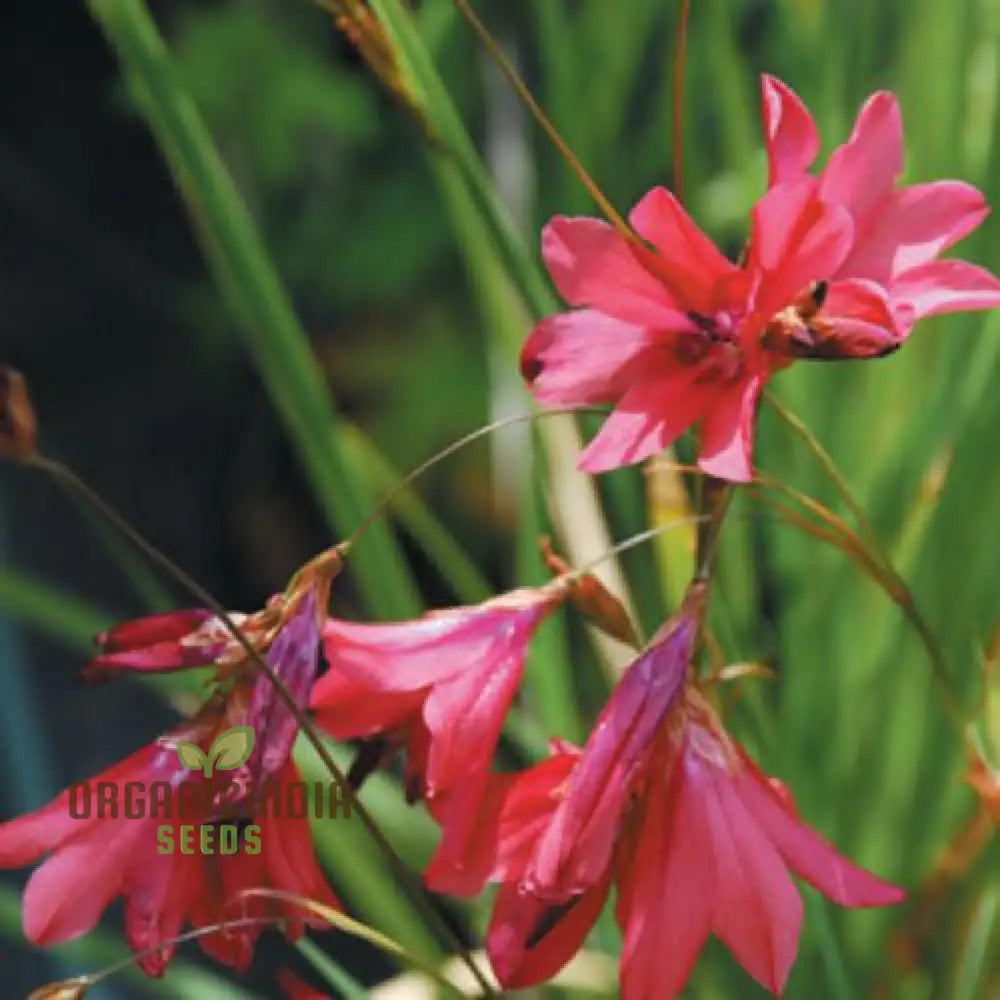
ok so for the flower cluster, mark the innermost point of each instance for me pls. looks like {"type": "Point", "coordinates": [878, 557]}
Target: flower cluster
{"type": "Point", "coordinates": [661, 805]}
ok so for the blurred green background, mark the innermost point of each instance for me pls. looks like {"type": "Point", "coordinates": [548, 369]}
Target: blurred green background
{"type": "Point", "coordinates": [240, 330]}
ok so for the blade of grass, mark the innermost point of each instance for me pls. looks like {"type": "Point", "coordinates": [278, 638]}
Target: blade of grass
{"type": "Point", "coordinates": [260, 305]}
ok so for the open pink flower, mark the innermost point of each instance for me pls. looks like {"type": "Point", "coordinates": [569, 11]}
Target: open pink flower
{"type": "Point", "coordinates": [664, 804]}
{"type": "Point", "coordinates": [120, 851]}
{"type": "Point", "coordinates": [442, 685]}
{"type": "Point", "coordinates": [899, 233]}
{"type": "Point", "coordinates": [674, 334]}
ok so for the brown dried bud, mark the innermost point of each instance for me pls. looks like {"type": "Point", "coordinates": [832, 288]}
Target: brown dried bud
{"type": "Point", "coordinates": [18, 427]}
{"type": "Point", "coordinates": [65, 989]}
{"type": "Point", "coordinates": [591, 598]}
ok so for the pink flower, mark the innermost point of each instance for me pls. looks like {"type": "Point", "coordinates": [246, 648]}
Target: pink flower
{"type": "Point", "coordinates": [122, 852]}
{"type": "Point", "coordinates": [442, 685]}
{"type": "Point", "coordinates": [98, 857]}
{"type": "Point", "coordinates": [898, 233]}
{"type": "Point", "coordinates": [663, 803]}
{"type": "Point", "coordinates": [674, 334]}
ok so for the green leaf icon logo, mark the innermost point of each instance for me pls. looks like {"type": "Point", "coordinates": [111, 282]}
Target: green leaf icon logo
{"type": "Point", "coordinates": [191, 756]}
{"type": "Point", "coordinates": [230, 749]}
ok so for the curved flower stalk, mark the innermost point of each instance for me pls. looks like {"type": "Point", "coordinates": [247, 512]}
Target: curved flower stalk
{"type": "Point", "coordinates": [664, 804]}
{"type": "Point", "coordinates": [674, 334]}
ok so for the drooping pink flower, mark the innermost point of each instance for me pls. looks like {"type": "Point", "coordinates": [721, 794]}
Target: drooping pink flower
{"type": "Point", "coordinates": [122, 851]}
{"type": "Point", "coordinates": [663, 803]}
{"type": "Point", "coordinates": [442, 686]}
{"type": "Point", "coordinates": [674, 334]}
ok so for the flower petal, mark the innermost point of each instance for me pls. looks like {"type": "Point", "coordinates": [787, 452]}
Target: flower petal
{"type": "Point", "coordinates": [584, 357]}
{"type": "Point", "coordinates": [592, 265]}
{"type": "Point", "coordinates": [796, 239]}
{"type": "Point", "coordinates": [912, 227]}
{"type": "Point", "coordinates": [944, 286]}
{"type": "Point", "coordinates": [862, 172]}
{"type": "Point", "coordinates": [807, 853]}
{"type": "Point", "coordinates": [666, 889]}
{"type": "Point", "coordinates": [690, 263]}
{"type": "Point", "coordinates": [66, 895]}
{"type": "Point", "coordinates": [577, 845]}
{"type": "Point", "coordinates": [789, 130]}
{"type": "Point", "coordinates": [648, 417]}
{"type": "Point", "coordinates": [758, 912]}
{"type": "Point", "coordinates": [522, 951]}
{"type": "Point", "coordinates": [728, 432]}
{"type": "Point", "coordinates": [349, 710]}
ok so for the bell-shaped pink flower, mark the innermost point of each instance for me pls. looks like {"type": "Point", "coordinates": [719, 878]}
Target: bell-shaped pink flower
{"type": "Point", "coordinates": [442, 685]}
{"type": "Point", "coordinates": [119, 850]}
{"type": "Point", "coordinates": [663, 803]}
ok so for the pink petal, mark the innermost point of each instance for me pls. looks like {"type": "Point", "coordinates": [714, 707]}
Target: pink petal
{"type": "Point", "coordinates": [142, 632]}
{"type": "Point", "coordinates": [407, 656]}
{"type": "Point", "coordinates": [464, 873]}
{"type": "Point", "coordinates": [24, 839]}
{"type": "Point", "coordinates": [688, 260]}
{"type": "Point", "coordinates": [796, 240]}
{"type": "Point", "coordinates": [666, 890]}
{"type": "Point", "coordinates": [808, 854]}
{"type": "Point", "coordinates": [158, 891]}
{"type": "Point", "coordinates": [861, 173]}
{"type": "Point", "coordinates": [66, 895]}
{"type": "Point", "coordinates": [585, 356]}
{"type": "Point", "coordinates": [791, 134]}
{"type": "Point", "coordinates": [465, 715]}
{"type": "Point", "coordinates": [912, 226]}
{"type": "Point", "coordinates": [758, 913]}
{"type": "Point", "coordinates": [592, 265]}
{"type": "Point", "coordinates": [348, 710]}
{"type": "Point", "coordinates": [577, 845]}
{"type": "Point", "coordinates": [728, 432]}
{"type": "Point", "coordinates": [648, 417]}
{"type": "Point", "coordinates": [944, 286]}
{"type": "Point", "coordinates": [518, 959]}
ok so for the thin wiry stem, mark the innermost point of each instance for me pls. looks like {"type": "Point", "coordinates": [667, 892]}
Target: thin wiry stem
{"type": "Point", "coordinates": [680, 60]}
{"type": "Point", "coordinates": [447, 452]}
{"type": "Point", "coordinates": [544, 122]}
